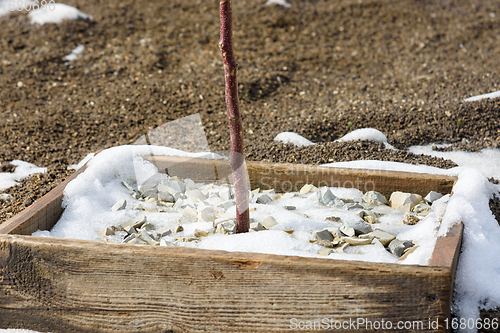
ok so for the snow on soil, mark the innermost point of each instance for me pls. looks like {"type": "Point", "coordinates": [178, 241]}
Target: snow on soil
{"type": "Point", "coordinates": [494, 94]}
{"type": "Point", "coordinates": [392, 166]}
{"type": "Point", "coordinates": [291, 137]}
{"type": "Point", "coordinates": [23, 170]}
{"type": "Point", "coordinates": [487, 160]}
{"type": "Point", "coordinates": [75, 53]}
{"type": "Point", "coordinates": [370, 134]}
{"type": "Point", "coordinates": [57, 13]}
{"type": "Point", "coordinates": [278, 2]}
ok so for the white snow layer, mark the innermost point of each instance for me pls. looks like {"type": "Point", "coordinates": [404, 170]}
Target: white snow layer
{"type": "Point", "coordinates": [370, 134]}
{"type": "Point", "coordinates": [23, 170]}
{"type": "Point", "coordinates": [487, 160]}
{"type": "Point", "coordinates": [291, 137]}
{"type": "Point", "coordinates": [392, 166]}
{"type": "Point", "coordinates": [278, 2]}
{"type": "Point", "coordinates": [58, 13]}
{"type": "Point", "coordinates": [478, 271]}
{"type": "Point", "coordinates": [495, 94]}
{"type": "Point", "coordinates": [75, 53]}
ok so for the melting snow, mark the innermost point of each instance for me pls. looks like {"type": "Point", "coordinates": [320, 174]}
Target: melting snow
{"type": "Point", "coordinates": [56, 14]}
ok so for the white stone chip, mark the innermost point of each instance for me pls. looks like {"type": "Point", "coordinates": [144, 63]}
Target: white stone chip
{"type": "Point", "coordinates": [226, 204]}
{"type": "Point", "coordinates": [195, 194]}
{"type": "Point", "coordinates": [269, 222]}
{"type": "Point", "coordinates": [359, 226]}
{"type": "Point", "coordinates": [136, 222]}
{"type": "Point", "coordinates": [226, 194]}
{"type": "Point", "coordinates": [220, 229]}
{"type": "Point", "coordinates": [404, 201]}
{"type": "Point", "coordinates": [129, 238]}
{"type": "Point", "coordinates": [206, 214]}
{"type": "Point", "coordinates": [128, 186]}
{"type": "Point", "coordinates": [432, 196]}
{"type": "Point", "coordinates": [356, 241]}
{"type": "Point", "coordinates": [348, 231]}
{"type": "Point", "coordinates": [173, 185]}
{"type": "Point", "coordinates": [119, 205]}
{"type": "Point", "coordinates": [200, 233]}
{"type": "Point", "coordinates": [130, 230]}
{"type": "Point", "coordinates": [422, 209]}
{"type": "Point", "coordinates": [164, 232]}
{"type": "Point", "coordinates": [190, 183]}
{"type": "Point", "coordinates": [147, 189]}
{"type": "Point", "coordinates": [107, 231]}
{"type": "Point", "coordinates": [374, 198]}
{"type": "Point", "coordinates": [257, 226]}
{"type": "Point", "coordinates": [323, 235]}
{"type": "Point", "coordinates": [264, 199]}
{"type": "Point", "coordinates": [308, 188]}
{"type": "Point", "coordinates": [190, 214]}
{"type": "Point", "coordinates": [382, 236]}
{"type": "Point", "coordinates": [145, 236]}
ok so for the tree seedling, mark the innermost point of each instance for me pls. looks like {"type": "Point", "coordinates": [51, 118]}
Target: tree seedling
{"type": "Point", "coordinates": [237, 159]}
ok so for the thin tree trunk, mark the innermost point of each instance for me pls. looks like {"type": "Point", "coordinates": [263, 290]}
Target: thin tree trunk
{"type": "Point", "coordinates": [237, 158]}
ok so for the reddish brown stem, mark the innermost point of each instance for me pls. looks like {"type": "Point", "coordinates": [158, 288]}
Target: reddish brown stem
{"type": "Point", "coordinates": [237, 159]}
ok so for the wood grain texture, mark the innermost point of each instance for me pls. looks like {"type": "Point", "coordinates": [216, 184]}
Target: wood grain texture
{"type": "Point", "coordinates": [42, 215]}
{"type": "Point", "coordinates": [67, 285]}
{"type": "Point", "coordinates": [446, 253]}
{"type": "Point", "coordinates": [447, 249]}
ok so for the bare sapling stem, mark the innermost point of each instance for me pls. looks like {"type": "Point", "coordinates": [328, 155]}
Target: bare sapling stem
{"type": "Point", "coordinates": [237, 158]}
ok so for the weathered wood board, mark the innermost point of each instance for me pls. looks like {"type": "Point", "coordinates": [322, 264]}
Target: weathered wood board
{"type": "Point", "coordinates": [63, 285]}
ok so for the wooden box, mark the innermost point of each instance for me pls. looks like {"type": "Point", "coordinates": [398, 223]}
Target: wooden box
{"type": "Point", "coordinates": [65, 285]}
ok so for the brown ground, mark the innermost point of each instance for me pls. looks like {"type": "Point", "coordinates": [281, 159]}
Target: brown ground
{"type": "Point", "coordinates": [320, 68]}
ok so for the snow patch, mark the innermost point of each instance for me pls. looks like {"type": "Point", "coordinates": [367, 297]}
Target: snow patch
{"type": "Point", "coordinates": [495, 94]}
{"type": "Point", "coordinates": [393, 166]}
{"type": "Point", "coordinates": [23, 170]}
{"type": "Point", "coordinates": [478, 271]}
{"type": "Point", "coordinates": [486, 161]}
{"type": "Point", "coordinates": [278, 2]}
{"type": "Point", "coordinates": [370, 134]}
{"type": "Point", "coordinates": [75, 53]}
{"type": "Point", "coordinates": [56, 14]}
{"type": "Point", "coordinates": [291, 137]}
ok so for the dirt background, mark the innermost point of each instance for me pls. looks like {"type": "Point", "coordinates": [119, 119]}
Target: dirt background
{"type": "Point", "coordinates": [319, 68]}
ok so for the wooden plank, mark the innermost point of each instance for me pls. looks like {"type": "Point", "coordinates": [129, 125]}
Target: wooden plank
{"type": "Point", "coordinates": [447, 249]}
{"type": "Point", "coordinates": [291, 177]}
{"type": "Point", "coordinates": [64, 285]}
{"type": "Point", "coordinates": [42, 215]}
{"type": "Point", "coordinates": [446, 253]}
